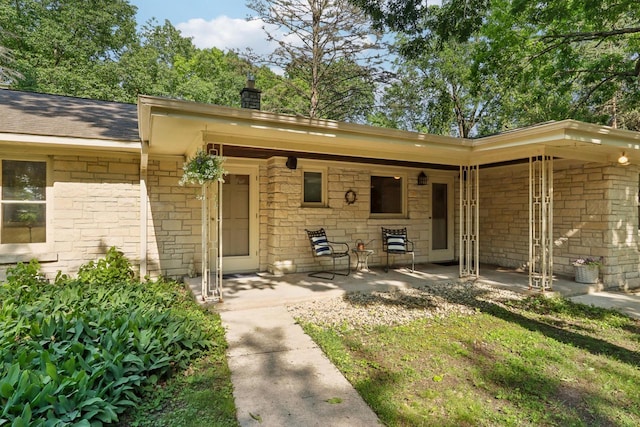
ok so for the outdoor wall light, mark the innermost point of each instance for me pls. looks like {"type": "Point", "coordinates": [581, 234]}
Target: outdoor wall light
{"type": "Point", "coordinates": [623, 159]}
{"type": "Point", "coordinates": [422, 179]}
{"type": "Point", "coordinates": [292, 162]}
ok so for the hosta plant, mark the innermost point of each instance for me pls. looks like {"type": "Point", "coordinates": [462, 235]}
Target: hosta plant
{"type": "Point", "coordinates": [80, 352]}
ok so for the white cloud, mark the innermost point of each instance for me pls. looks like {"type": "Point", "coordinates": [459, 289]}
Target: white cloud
{"type": "Point", "coordinates": [226, 33]}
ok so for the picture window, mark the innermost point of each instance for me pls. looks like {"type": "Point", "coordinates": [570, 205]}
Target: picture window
{"type": "Point", "coordinates": [23, 210]}
{"type": "Point", "coordinates": [387, 195]}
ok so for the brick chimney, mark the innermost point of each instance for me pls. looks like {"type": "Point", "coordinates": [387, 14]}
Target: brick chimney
{"type": "Point", "coordinates": [250, 96]}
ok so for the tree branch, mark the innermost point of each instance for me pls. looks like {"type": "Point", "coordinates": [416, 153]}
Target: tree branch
{"type": "Point", "coordinates": [589, 35]}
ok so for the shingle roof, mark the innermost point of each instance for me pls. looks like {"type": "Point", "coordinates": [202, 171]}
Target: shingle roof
{"type": "Point", "coordinates": [63, 116]}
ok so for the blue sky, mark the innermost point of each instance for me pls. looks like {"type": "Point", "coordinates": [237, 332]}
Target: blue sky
{"type": "Point", "coordinates": [182, 11]}
{"type": "Point", "coordinates": [211, 23]}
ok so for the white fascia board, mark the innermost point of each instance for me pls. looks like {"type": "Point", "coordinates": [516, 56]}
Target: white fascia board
{"type": "Point", "coordinates": [215, 114]}
{"type": "Point", "coordinates": [628, 140]}
{"type": "Point", "coordinates": [567, 131]}
{"type": "Point", "coordinates": [70, 142]}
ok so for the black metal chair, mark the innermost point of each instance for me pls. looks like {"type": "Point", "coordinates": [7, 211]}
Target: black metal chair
{"type": "Point", "coordinates": [321, 247]}
{"type": "Point", "coordinates": [395, 242]}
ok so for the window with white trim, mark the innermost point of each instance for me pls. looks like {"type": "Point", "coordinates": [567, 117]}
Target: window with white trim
{"type": "Point", "coordinates": [314, 188]}
{"type": "Point", "coordinates": [387, 195]}
{"type": "Point", "coordinates": [23, 202]}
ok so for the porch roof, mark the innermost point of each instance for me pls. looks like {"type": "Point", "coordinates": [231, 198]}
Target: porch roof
{"type": "Point", "coordinates": [176, 127]}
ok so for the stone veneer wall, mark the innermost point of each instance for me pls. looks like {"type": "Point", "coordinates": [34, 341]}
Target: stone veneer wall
{"type": "Point", "coordinates": [504, 216]}
{"type": "Point", "coordinates": [595, 214]}
{"type": "Point", "coordinates": [622, 269]}
{"type": "Point", "coordinates": [95, 206]}
{"type": "Point", "coordinates": [581, 211]}
{"type": "Point", "coordinates": [284, 220]}
{"type": "Point", "coordinates": [174, 221]}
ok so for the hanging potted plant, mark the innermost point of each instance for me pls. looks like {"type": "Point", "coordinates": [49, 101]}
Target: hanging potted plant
{"type": "Point", "coordinates": [203, 168]}
{"type": "Point", "coordinates": [587, 269]}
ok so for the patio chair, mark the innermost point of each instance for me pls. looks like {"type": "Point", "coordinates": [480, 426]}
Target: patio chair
{"type": "Point", "coordinates": [322, 247]}
{"type": "Point", "coordinates": [395, 242]}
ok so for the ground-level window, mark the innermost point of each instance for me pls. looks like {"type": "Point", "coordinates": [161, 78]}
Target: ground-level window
{"type": "Point", "coordinates": [313, 188]}
{"type": "Point", "coordinates": [387, 193]}
{"type": "Point", "coordinates": [23, 210]}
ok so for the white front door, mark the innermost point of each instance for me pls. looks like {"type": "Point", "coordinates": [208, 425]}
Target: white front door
{"type": "Point", "coordinates": [240, 237]}
{"type": "Point", "coordinates": [442, 218]}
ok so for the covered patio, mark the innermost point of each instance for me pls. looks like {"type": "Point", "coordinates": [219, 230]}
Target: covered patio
{"type": "Point", "coordinates": [246, 291]}
{"type": "Point", "coordinates": [531, 200]}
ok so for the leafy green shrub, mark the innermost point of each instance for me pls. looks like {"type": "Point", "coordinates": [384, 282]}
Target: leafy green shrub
{"type": "Point", "coordinates": [24, 283]}
{"type": "Point", "coordinates": [111, 269]}
{"type": "Point", "coordinates": [82, 352]}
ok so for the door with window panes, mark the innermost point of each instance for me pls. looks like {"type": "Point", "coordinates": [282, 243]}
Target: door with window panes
{"type": "Point", "coordinates": [442, 218]}
{"type": "Point", "coordinates": [240, 236]}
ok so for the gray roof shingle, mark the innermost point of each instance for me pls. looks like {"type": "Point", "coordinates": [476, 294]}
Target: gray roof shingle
{"type": "Point", "coordinates": [63, 116]}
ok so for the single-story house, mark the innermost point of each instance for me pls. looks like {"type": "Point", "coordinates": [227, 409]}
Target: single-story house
{"type": "Point", "coordinates": [78, 176]}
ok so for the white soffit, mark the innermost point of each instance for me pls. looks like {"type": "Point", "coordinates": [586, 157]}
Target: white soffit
{"type": "Point", "coordinates": [175, 127]}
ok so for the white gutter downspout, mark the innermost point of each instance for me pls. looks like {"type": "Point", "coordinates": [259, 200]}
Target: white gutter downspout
{"type": "Point", "coordinates": [144, 208]}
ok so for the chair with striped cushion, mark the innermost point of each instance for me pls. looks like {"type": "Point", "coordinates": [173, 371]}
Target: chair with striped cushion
{"type": "Point", "coordinates": [321, 246]}
{"type": "Point", "coordinates": [395, 241]}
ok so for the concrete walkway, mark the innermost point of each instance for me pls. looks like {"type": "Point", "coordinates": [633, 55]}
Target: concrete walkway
{"type": "Point", "coordinates": [628, 303]}
{"type": "Point", "coordinates": [281, 378]}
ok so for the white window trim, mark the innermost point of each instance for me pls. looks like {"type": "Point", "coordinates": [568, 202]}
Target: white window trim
{"type": "Point", "coordinates": [392, 174]}
{"type": "Point", "coordinates": [23, 252]}
{"type": "Point", "coordinates": [316, 169]}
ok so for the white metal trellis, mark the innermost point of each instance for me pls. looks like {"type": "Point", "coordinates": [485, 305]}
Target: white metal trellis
{"type": "Point", "coordinates": [469, 221]}
{"type": "Point", "coordinates": [205, 241]}
{"type": "Point", "coordinates": [541, 223]}
{"type": "Point", "coordinates": [212, 240]}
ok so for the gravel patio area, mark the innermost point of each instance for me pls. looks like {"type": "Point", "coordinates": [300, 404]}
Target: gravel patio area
{"type": "Point", "coordinates": [401, 305]}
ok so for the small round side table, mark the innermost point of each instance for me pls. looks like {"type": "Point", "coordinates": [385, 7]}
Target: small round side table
{"type": "Point", "coordinates": [363, 258]}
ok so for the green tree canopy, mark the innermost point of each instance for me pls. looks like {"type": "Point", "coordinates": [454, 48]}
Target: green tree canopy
{"type": "Point", "coordinates": [91, 49]}
{"type": "Point", "coordinates": [148, 65]}
{"type": "Point", "coordinates": [68, 46]}
{"type": "Point", "coordinates": [554, 60]}
{"type": "Point", "coordinates": [441, 91]}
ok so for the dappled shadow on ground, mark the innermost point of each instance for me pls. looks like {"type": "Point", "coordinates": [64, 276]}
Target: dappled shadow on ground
{"type": "Point", "coordinates": [239, 284]}
{"type": "Point", "coordinates": [537, 386]}
{"type": "Point", "coordinates": [492, 301]}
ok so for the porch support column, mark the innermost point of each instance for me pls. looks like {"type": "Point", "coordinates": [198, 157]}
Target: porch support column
{"type": "Point", "coordinates": [212, 195]}
{"type": "Point", "coordinates": [217, 289]}
{"type": "Point", "coordinates": [206, 268]}
{"type": "Point", "coordinates": [541, 223]}
{"type": "Point", "coordinates": [469, 221]}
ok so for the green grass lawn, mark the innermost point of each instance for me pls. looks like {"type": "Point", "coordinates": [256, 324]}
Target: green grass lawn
{"type": "Point", "coordinates": [538, 361]}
